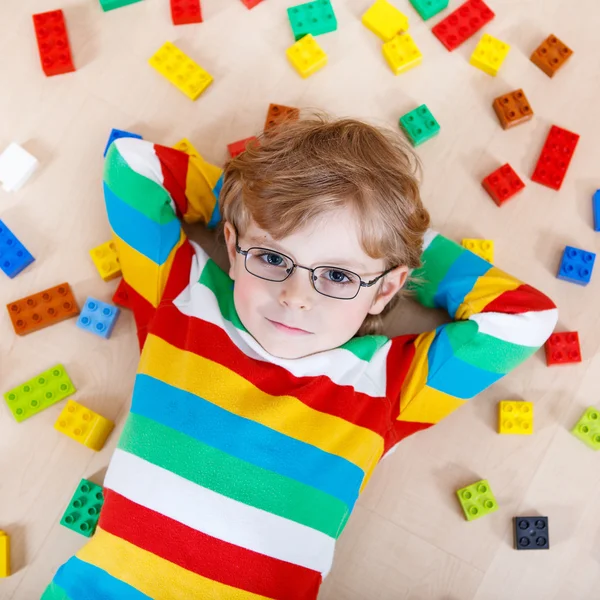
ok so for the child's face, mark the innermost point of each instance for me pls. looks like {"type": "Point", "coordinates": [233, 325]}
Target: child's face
{"type": "Point", "coordinates": [290, 319]}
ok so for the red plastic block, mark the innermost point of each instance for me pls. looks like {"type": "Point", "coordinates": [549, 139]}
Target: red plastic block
{"type": "Point", "coordinates": [563, 348]}
{"type": "Point", "coordinates": [53, 42]}
{"type": "Point", "coordinates": [502, 184]}
{"type": "Point", "coordinates": [251, 3]}
{"type": "Point", "coordinates": [464, 22]}
{"type": "Point", "coordinates": [236, 148]}
{"type": "Point", "coordinates": [121, 295]}
{"type": "Point", "coordinates": [556, 155]}
{"type": "Point", "coordinates": [184, 12]}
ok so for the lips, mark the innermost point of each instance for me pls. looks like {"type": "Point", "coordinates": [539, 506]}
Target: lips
{"type": "Point", "coordinates": [288, 329]}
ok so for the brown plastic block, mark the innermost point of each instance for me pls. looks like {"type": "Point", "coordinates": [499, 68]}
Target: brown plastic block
{"type": "Point", "coordinates": [278, 114]}
{"type": "Point", "coordinates": [551, 55]}
{"type": "Point", "coordinates": [512, 109]}
{"type": "Point", "coordinates": [43, 309]}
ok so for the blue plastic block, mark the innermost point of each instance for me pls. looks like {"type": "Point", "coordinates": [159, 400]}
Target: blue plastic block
{"type": "Point", "coordinates": [596, 206]}
{"type": "Point", "coordinates": [115, 134]}
{"type": "Point", "coordinates": [576, 265]}
{"type": "Point", "coordinates": [98, 317]}
{"type": "Point", "coordinates": [14, 257]}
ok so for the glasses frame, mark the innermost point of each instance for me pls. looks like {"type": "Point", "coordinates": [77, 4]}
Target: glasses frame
{"type": "Point", "coordinates": [311, 270]}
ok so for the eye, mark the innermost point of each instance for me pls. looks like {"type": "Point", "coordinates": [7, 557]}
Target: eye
{"type": "Point", "coordinates": [336, 276]}
{"type": "Point", "coordinates": [272, 259]}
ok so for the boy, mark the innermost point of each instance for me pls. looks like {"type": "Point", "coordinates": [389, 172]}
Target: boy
{"type": "Point", "coordinates": [260, 409]}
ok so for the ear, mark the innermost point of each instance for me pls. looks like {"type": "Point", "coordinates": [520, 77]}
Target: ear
{"type": "Point", "coordinates": [391, 285]}
{"type": "Point", "coordinates": [229, 233]}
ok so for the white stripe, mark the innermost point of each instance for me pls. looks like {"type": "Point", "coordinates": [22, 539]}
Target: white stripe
{"type": "Point", "coordinates": [429, 236]}
{"type": "Point", "coordinates": [526, 329]}
{"type": "Point", "coordinates": [140, 156]}
{"type": "Point", "coordinates": [216, 515]}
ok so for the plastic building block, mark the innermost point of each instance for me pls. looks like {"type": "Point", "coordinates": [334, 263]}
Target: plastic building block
{"type": "Point", "coordinates": [187, 76]}
{"type": "Point", "coordinates": [576, 265]}
{"type": "Point", "coordinates": [463, 23]}
{"type": "Point", "coordinates": [4, 554]}
{"type": "Point", "coordinates": [106, 259]}
{"type": "Point", "coordinates": [14, 257]}
{"type": "Point", "coordinates": [278, 114]}
{"type": "Point", "coordinates": [477, 500]}
{"type": "Point", "coordinates": [587, 429]}
{"type": "Point", "coordinates": [429, 8]}
{"type": "Point", "coordinates": [489, 54]}
{"type": "Point", "coordinates": [39, 393]}
{"type": "Point", "coordinates": [551, 55]}
{"type": "Point", "coordinates": [531, 533]}
{"type": "Point", "coordinates": [563, 348]}
{"type": "Point", "coordinates": [512, 109]}
{"type": "Point", "coordinates": [186, 146]}
{"type": "Point", "coordinates": [83, 425]}
{"type": "Point", "coordinates": [502, 184]}
{"type": "Point", "coordinates": [419, 125]}
{"type": "Point", "coordinates": [236, 148]}
{"type": "Point", "coordinates": [402, 53]}
{"type": "Point", "coordinates": [306, 56]}
{"type": "Point", "coordinates": [16, 167]}
{"type": "Point", "coordinates": [112, 4]}
{"type": "Point", "coordinates": [515, 417]}
{"type": "Point", "coordinates": [53, 43]}
{"type": "Point", "coordinates": [42, 309]}
{"type": "Point", "coordinates": [385, 20]}
{"type": "Point", "coordinates": [184, 12]}
{"type": "Point", "coordinates": [483, 248]}
{"type": "Point", "coordinates": [83, 511]}
{"type": "Point", "coordinates": [555, 158]}
{"type": "Point", "coordinates": [313, 17]}
{"type": "Point", "coordinates": [251, 3]}
{"type": "Point", "coordinates": [98, 317]}
{"type": "Point", "coordinates": [116, 134]}
{"type": "Point", "coordinates": [596, 209]}
{"type": "Point", "coordinates": [121, 295]}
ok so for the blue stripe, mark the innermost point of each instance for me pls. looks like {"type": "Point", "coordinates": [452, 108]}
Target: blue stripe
{"type": "Point", "coordinates": [245, 439]}
{"type": "Point", "coordinates": [84, 581]}
{"type": "Point", "coordinates": [450, 374]}
{"type": "Point", "coordinates": [459, 281]}
{"type": "Point", "coordinates": [148, 237]}
{"type": "Point", "coordinates": [216, 214]}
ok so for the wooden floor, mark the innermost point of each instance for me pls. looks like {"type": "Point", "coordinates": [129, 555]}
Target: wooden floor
{"type": "Point", "coordinates": [407, 538]}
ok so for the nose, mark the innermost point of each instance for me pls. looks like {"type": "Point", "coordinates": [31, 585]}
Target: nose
{"type": "Point", "coordinates": [296, 291]}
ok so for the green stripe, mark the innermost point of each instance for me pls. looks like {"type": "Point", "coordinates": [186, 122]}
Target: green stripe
{"type": "Point", "coordinates": [142, 194]}
{"type": "Point", "coordinates": [232, 477]}
{"type": "Point", "coordinates": [366, 346]}
{"type": "Point", "coordinates": [437, 259]}
{"type": "Point", "coordinates": [54, 592]}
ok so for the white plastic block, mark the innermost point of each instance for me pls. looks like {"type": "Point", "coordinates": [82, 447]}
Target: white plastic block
{"type": "Point", "coordinates": [16, 167]}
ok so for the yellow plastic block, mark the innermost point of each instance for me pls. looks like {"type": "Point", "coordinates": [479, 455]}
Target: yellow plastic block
{"type": "Point", "coordinates": [306, 56]}
{"type": "Point", "coordinates": [4, 554]}
{"type": "Point", "coordinates": [515, 417]}
{"type": "Point", "coordinates": [385, 20]}
{"type": "Point", "coordinates": [186, 146]}
{"type": "Point", "coordinates": [83, 425]}
{"type": "Point", "coordinates": [489, 54]}
{"type": "Point", "coordinates": [483, 248]}
{"type": "Point", "coordinates": [106, 259]}
{"type": "Point", "coordinates": [180, 70]}
{"type": "Point", "coordinates": [402, 53]}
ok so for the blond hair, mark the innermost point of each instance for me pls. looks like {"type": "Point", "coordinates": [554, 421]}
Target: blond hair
{"type": "Point", "coordinates": [294, 173]}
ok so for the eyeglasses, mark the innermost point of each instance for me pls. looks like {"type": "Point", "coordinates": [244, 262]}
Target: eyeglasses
{"type": "Point", "coordinates": [329, 281]}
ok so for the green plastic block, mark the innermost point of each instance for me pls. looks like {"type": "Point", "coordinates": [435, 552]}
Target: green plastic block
{"type": "Point", "coordinates": [112, 4]}
{"type": "Point", "coordinates": [39, 393]}
{"type": "Point", "coordinates": [477, 500]}
{"type": "Point", "coordinates": [313, 17]}
{"type": "Point", "coordinates": [419, 125]}
{"type": "Point", "coordinates": [83, 511]}
{"type": "Point", "coordinates": [587, 429]}
{"type": "Point", "coordinates": [429, 8]}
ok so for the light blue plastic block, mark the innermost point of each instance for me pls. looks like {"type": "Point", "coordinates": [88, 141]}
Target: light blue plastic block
{"type": "Point", "coordinates": [98, 317]}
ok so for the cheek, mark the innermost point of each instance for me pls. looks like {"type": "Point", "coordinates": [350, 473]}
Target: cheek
{"type": "Point", "coordinates": [249, 294]}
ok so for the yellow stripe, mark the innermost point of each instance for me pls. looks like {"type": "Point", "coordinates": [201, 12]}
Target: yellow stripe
{"type": "Point", "coordinates": [201, 179]}
{"type": "Point", "coordinates": [430, 406]}
{"type": "Point", "coordinates": [286, 414]}
{"type": "Point", "coordinates": [487, 288]}
{"type": "Point", "coordinates": [143, 274]}
{"type": "Point", "coordinates": [153, 575]}
{"type": "Point", "coordinates": [416, 378]}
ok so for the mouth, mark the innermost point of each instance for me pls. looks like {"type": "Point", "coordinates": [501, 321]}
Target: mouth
{"type": "Point", "coordinates": [287, 329]}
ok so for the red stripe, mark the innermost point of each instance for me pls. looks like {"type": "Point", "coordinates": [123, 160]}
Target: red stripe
{"type": "Point", "coordinates": [524, 299]}
{"type": "Point", "coordinates": [179, 276]}
{"type": "Point", "coordinates": [174, 164]}
{"type": "Point", "coordinates": [402, 429]}
{"type": "Point", "coordinates": [205, 555]}
{"type": "Point", "coordinates": [319, 392]}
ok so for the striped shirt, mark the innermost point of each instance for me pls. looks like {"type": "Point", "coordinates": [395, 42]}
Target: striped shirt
{"type": "Point", "coordinates": [237, 471]}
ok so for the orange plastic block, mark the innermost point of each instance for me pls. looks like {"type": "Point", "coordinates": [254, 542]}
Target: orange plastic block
{"type": "Point", "coordinates": [515, 417]}
{"type": "Point", "coordinates": [106, 259]}
{"type": "Point", "coordinates": [551, 55]}
{"type": "Point", "coordinates": [512, 109]}
{"type": "Point", "coordinates": [83, 425]}
{"type": "Point", "coordinates": [278, 114]}
{"type": "Point", "coordinates": [43, 309]}
{"type": "Point", "coordinates": [4, 555]}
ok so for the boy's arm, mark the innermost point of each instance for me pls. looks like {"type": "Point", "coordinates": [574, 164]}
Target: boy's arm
{"type": "Point", "coordinates": [498, 323]}
{"type": "Point", "coordinates": [147, 189]}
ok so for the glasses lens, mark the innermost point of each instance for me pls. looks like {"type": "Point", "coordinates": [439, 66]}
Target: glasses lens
{"type": "Point", "coordinates": [268, 264]}
{"type": "Point", "coordinates": [337, 283]}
